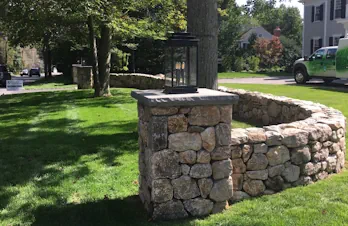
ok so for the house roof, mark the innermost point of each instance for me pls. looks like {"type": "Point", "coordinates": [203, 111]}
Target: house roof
{"type": "Point", "coordinates": [257, 30]}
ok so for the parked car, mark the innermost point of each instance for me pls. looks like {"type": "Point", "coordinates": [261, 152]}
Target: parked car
{"type": "Point", "coordinates": [25, 72]}
{"type": "Point", "coordinates": [34, 71]}
{"type": "Point", "coordinates": [328, 63]}
{"type": "Point", "coordinates": [4, 75]}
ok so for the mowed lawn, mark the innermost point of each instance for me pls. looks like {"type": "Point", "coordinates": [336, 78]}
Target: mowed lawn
{"type": "Point", "coordinates": [69, 159]}
{"type": "Point", "coordinates": [56, 82]}
{"type": "Point", "coordinates": [251, 74]}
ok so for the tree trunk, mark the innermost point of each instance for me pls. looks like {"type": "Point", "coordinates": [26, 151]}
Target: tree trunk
{"type": "Point", "coordinates": [94, 56]}
{"type": "Point", "coordinates": [45, 61]}
{"type": "Point", "coordinates": [104, 56]}
{"type": "Point", "coordinates": [49, 61]}
{"type": "Point", "coordinates": [46, 53]}
{"type": "Point", "coordinates": [202, 20]}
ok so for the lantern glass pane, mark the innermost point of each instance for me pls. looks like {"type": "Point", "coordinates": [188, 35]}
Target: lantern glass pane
{"type": "Point", "coordinates": [193, 66]}
{"type": "Point", "coordinates": [179, 67]}
{"type": "Point", "coordinates": [168, 67]}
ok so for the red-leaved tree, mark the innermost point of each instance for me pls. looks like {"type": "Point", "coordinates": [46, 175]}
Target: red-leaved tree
{"type": "Point", "coordinates": [269, 51]}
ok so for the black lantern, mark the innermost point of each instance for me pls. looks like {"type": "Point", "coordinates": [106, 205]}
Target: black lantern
{"type": "Point", "coordinates": [181, 70]}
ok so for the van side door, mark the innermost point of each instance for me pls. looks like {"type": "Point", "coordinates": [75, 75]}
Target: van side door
{"type": "Point", "coordinates": [330, 63]}
{"type": "Point", "coordinates": [316, 63]}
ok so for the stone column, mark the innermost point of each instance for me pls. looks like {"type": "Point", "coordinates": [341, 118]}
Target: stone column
{"type": "Point", "coordinates": [185, 156]}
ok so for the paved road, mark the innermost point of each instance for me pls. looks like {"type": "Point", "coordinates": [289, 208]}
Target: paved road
{"type": "Point", "coordinates": [281, 80]}
{"type": "Point", "coordinates": [27, 80]}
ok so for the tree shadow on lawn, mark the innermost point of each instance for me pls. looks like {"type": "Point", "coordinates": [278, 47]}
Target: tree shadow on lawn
{"type": "Point", "coordinates": [59, 79]}
{"type": "Point", "coordinates": [24, 156]}
{"type": "Point", "coordinates": [127, 211]}
{"type": "Point", "coordinates": [334, 87]}
{"type": "Point", "coordinates": [22, 164]}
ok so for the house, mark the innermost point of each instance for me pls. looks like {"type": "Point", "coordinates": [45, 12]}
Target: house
{"type": "Point", "coordinates": [323, 24]}
{"type": "Point", "coordinates": [260, 33]}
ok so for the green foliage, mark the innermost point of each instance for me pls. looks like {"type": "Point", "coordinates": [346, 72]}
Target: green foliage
{"type": "Point", "coordinates": [270, 16]}
{"type": "Point", "coordinates": [291, 52]}
{"type": "Point", "coordinates": [119, 60]}
{"type": "Point", "coordinates": [239, 64]}
{"type": "Point", "coordinates": [11, 56]}
{"type": "Point", "coordinates": [149, 56]}
{"type": "Point", "coordinates": [342, 60]}
{"type": "Point", "coordinates": [253, 63]}
{"type": "Point", "coordinates": [231, 29]}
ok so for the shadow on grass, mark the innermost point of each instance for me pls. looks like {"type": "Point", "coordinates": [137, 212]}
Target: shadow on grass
{"type": "Point", "coordinates": [33, 143]}
{"type": "Point", "coordinates": [334, 87]}
{"type": "Point", "coordinates": [59, 79]}
{"type": "Point", "coordinates": [128, 211]}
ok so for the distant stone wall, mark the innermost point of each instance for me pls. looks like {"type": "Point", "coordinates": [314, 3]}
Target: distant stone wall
{"type": "Point", "coordinates": [136, 81]}
{"type": "Point", "coordinates": [307, 145]}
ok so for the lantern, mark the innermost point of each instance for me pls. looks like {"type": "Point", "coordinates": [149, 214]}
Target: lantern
{"type": "Point", "coordinates": [181, 70]}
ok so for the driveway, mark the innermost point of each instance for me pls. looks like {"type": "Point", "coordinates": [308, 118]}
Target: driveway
{"type": "Point", "coordinates": [281, 80]}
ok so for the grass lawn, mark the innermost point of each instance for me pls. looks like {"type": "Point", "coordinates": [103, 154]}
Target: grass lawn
{"type": "Point", "coordinates": [69, 159]}
{"type": "Point", "coordinates": [57, 82]}
{"type": "Point", "coordinates": [251, 74]}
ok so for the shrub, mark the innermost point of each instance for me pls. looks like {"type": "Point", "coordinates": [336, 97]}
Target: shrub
{"type": "Point", "coordinates": [239, 64]}
{"type": "Point", "coordinates": [253, 63]}
{"type": "Point", "coordinates": [269, 51]}
{"type": "Point", "coordinates": [291, 52]}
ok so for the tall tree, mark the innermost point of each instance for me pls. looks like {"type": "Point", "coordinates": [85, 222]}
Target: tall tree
{"type": "Point", "coordinates": [202, 19]}
{"type": "Point", "coordinates": [269, 16]}
{"type": "Point", "coordinates": [233, 24]}
{"type": "Point", "coordinates": [38, 23]}
{"type": "Point", "coordinates": [124, 19]}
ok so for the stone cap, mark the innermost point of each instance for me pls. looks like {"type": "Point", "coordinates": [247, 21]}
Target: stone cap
{"type": "Point", "coordinates": [156, 98]}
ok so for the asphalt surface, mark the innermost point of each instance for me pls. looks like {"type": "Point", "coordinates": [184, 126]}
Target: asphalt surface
{"type": "Point", "coordinates": [28, 80]}
{"type": "Point", "coordinates": [281, 80]}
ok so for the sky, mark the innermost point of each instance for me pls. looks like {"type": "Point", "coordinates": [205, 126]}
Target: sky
{"type": "Point", "coordinates": [294, 3]}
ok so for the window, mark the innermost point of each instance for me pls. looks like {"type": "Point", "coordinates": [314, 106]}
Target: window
{"type": "Point", "coordinates": [331, 53]}
{"type": "Point", "coordinates": [338, 9]}
{"type": "Point", "coordinates": [318, 54]}
{"type": "Point", "coordinates": [317, 13]}
{"type": "Point", "coordinates": [260, 35]}
{"type": "Point", "coordinates": [336, 40]}
{"type": "Point", "coordinates": [245, 45]}
{"type": "Point", "coordinates": [316, 44]}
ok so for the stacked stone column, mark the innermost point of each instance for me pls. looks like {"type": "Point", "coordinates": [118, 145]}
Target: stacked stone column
{"type": "Point", "coordinates": [185, 159]}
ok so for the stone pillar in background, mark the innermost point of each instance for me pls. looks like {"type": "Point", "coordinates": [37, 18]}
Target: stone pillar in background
{"type": "Point", "coordinates": [185, 156]}
{"type": "Point", "coordinates": [82, 76]}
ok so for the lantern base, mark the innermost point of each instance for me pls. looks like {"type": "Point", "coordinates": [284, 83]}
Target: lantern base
{"type": "Point", "coordinates": [180, 90]}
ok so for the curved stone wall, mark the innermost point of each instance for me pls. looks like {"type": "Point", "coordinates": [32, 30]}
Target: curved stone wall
{"type": "Point", "coordinates": [137, 81]}
{"type": "Point", "coordinates": [302, 142]}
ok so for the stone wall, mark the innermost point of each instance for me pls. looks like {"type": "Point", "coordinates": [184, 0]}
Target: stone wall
{"type": "Point", "coordinates": [137, 81]}
{"type": "Point", "coordinates": [185, 160]}
{"type": "Point", "coordinates": [308, 145]}
{"type": "Point", "coordinates": [192, 163]}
